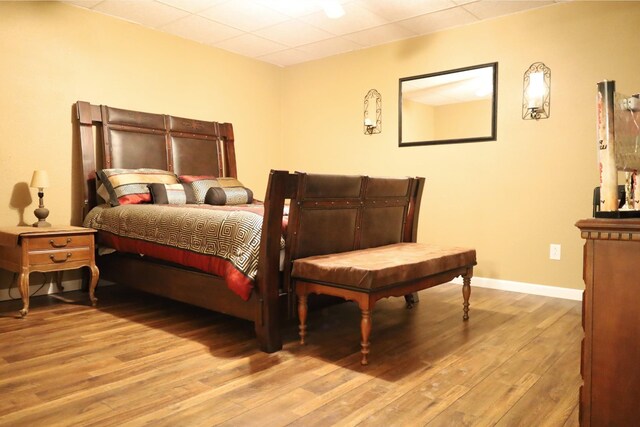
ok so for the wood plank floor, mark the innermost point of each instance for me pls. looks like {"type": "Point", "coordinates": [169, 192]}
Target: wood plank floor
{"type": "Point", "coordinates": [137, 360]}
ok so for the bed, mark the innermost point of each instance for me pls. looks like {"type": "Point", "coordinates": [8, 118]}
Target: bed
{"type": "Point", "coordinates": [113, 138]}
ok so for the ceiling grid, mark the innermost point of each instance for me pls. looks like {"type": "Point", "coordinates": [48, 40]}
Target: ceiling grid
{"type": "Point", "coordinates": [288, 32]}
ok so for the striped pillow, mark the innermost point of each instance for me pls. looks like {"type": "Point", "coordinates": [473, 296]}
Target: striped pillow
{"type": "Point", "coordinates": [202, 184]}
{"type": "Point", "coordinates": [172, 194]}
{"type": "Point", "coordinates": [228, 196]}
{"type": "Point", "coordinates": [130, 186]}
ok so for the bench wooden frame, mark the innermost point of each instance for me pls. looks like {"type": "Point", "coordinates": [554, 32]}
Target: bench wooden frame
{"type": "Point", "coordinates": [382, 212]}
{"type": "Point", "coordinates": [366, 300]}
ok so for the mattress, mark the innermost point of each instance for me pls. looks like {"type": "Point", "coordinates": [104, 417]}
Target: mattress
{"type": "Point", "coordinates": [220, 240]}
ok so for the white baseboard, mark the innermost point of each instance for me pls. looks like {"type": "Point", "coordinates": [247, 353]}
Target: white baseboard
{"type": "Point", "coordinates": [37, 289]}
{"type": "Point", "coordinates": [525, 288]}
{"type": "Point", "coordinates": [480, 282]}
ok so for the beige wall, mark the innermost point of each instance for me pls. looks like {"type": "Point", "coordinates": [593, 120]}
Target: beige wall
{"type": "Point", "coordinates": [463, 120]}
{"type": "Point", "coordinates": [423, 122]}
{"type": "Point", "coordinates": [510, 198]}
{"type": "Point", "coordinates": [417, 121]}
{"type": "Point", "coordinates": [55, 54]}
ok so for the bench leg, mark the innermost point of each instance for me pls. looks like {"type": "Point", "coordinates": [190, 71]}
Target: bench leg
{"type": "Point", "coordinates": [302, 314]}
{"type": "Point", "coordinates": [466, 293]}
{"type": "Point", "coordinates": [365, 330]}
{"type": "Point", "coordinates": [411, 299]}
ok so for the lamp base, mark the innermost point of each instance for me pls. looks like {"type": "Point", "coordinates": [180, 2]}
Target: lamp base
{"type": "Point", "coordinates": [41, 213]}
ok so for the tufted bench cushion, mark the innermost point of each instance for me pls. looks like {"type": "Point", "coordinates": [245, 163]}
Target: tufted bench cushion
{"type": "Point", "coordinates": [384, 266]}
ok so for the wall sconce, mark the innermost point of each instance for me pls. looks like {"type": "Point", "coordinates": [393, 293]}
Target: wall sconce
{"type": "Point", "coordinates": [536, 92]}
{"type": "Point", "coordinates": [371, 126]}
{"type": "Point", "coordinates": [40, 180]}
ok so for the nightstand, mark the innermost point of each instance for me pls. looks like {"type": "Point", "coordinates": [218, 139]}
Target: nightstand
{"type": "Point", "coordinates": [52, 249]}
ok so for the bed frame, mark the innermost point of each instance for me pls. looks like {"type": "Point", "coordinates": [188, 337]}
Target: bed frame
{"type": "Point", "coordinates": [132, 139]}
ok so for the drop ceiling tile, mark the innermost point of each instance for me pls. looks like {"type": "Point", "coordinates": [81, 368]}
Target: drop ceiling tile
{"type": "Point", "coordinates": [490, 9]}
{"type": "Point", "coordinates": [438, 21]}
{"type": "Point", "coordinates": [193, 6]}
{"type": "Point", "coordinates": [244, 15]}
{"type": "Point", "coordinates": [200, 29]}
{"type": "Point", "coordinates": [380, 35]}
{"type": "Point", "coordinates": [333, 46]}
{"type": "Point", "coordinates": [398, 10]}
{"type": "Point", "coordinates": [292, 8]}
{"type": "Point", "coordinates": [293, 33]}
{"type": "Point", "coordinates": [145, 12]}
{"type": "Point", "coordinates": [250, 45]}
{"type": "Point", "coordinates": [279, 34]}
{"type": "Point", "coordinates": [84, 3]}
{"type": "Point", "coordinates": [287, 57]}
{"type": "Point", "coordinates": [356, 18]}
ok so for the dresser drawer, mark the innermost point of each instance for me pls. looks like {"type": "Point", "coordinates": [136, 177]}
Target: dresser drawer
{"type": "Point", "coordinates": [60, 257]}
{"type": "Point", "coordinates": [60, 242]}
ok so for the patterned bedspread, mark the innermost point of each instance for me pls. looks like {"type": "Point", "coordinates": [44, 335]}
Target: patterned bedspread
{"type": "Point", "coordinates": [221, 240]}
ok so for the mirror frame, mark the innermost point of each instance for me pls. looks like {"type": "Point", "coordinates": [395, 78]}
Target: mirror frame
{"type": "Point", "coordinates": [494, 108]}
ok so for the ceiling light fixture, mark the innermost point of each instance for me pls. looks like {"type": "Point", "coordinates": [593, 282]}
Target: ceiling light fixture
{"type": "Point", "coordinates": [332, 8]}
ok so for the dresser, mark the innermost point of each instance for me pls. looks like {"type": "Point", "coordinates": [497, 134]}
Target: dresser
{"type": "Point", "coordinates": [610, 364]}
{"type": "Point", "coordinates": [52, 249]}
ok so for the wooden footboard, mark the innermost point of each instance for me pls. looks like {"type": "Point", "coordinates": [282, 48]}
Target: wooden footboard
{"type": "Point", "coordinates": [282, 185]}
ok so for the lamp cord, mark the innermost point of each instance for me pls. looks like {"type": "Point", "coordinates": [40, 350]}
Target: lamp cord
{"type": "Point", "coordinates": [13, 280]}
{"type": "Point", "coordinates": [633, 117]}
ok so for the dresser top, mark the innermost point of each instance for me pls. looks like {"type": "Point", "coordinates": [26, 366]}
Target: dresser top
{"type": "Point", "coordinates": [609, 229]}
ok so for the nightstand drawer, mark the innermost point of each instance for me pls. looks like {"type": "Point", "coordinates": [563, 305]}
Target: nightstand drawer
{"type": "Point", "coordinates": [59, 257]}
{"type": "Point", "coordinates": [60, 242]}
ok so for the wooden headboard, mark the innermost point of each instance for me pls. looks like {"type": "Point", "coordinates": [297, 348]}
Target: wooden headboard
{"type": "Point", "coordinates": [133, 139]}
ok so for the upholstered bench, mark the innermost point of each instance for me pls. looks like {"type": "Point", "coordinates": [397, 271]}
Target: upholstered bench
{"type": "Point", "coordinates": [367, 275]}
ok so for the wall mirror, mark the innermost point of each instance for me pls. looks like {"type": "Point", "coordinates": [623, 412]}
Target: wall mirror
{"type": "Point", "coordinates": [449, 107]}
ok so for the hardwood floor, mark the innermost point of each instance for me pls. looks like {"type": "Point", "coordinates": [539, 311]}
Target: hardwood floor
{"type": "Point", "coordinates": [138, 359]}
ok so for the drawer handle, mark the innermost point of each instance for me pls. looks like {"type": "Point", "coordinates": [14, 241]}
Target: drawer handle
{"type": "Point", "coordinates": [53, 258]}
{"type": "Point", "coordinates": [60, 245]}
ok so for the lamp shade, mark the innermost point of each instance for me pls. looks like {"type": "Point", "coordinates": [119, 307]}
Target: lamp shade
{"type": "Point", "coordinates": [40, 179]}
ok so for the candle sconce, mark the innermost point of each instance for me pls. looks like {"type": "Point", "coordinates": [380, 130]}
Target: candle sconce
{"type": "Point", "coordinates": [371, 125]}
{"type": "Point", "coordinates": [536, 92]}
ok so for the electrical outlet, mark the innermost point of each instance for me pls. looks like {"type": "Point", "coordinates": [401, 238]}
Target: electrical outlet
{"type": "Point", "coordinates": [554, 251]}
{"type": "Point", "coordinates": [631, 104]}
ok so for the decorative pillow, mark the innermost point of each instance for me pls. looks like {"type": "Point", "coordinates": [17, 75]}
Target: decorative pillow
{"type": "Point", "coordinates": [201, 184]}
{"type": "Point", "coordinates": [103, 193]}
{"type": "Point", "coordinates": [129, 186]}
{"type": "Point", "coordinates": [172, 194]}
{"type": "Point", "coordinates": [228, 196]}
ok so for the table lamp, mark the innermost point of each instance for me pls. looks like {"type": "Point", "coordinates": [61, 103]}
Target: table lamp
{"type": "Point", "coordinates": [40, 180]}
